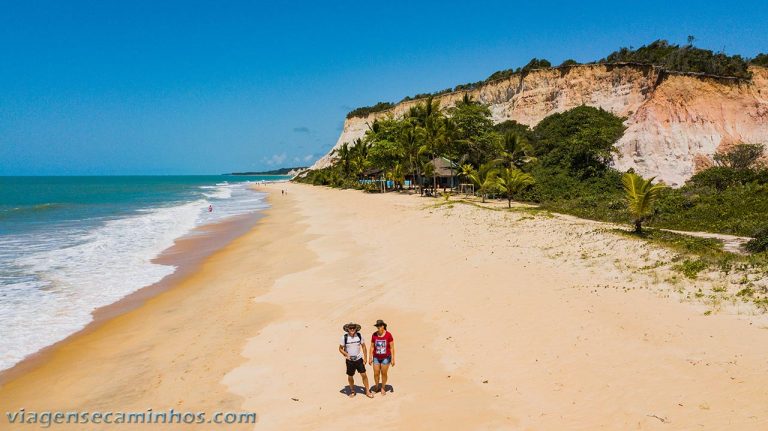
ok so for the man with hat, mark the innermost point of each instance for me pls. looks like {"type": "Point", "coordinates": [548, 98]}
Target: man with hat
{"type": "Point", "coordinates": [352, 347]}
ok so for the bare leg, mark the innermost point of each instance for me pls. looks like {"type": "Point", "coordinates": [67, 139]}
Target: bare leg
{"type": "Point", "coordinates": [384, 369]}
{"type": "Point", "coordinates": [351, 381]}
{"type": "Point", "coordinates": [377, 375]}
{"type": "Point", "coordinates": [365, 385]}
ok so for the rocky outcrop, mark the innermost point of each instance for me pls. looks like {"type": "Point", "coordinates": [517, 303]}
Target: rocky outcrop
{"type": "Point", "coordinates": [675, 122]}
{"type": "Point", "coordinates": [295, 172]}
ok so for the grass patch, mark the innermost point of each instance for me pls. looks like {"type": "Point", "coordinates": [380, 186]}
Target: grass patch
{"type": "Point", "coordinates": [705, 248]}
{"type": "Point", "coordinates": [699, 254]}
{"type": "Point", "coordinates": [696, 254]}
{"type": "Point", "coordinates": [691, 268]}
{"type": "Point", "coordinates": [532, 210]}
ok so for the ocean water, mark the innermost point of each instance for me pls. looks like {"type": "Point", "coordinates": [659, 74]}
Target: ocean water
{"type": "Point", "coordinates": [69, 245]}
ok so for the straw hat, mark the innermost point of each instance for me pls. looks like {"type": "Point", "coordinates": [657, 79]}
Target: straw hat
{"type": "Point", "coordinates": [354, 326]}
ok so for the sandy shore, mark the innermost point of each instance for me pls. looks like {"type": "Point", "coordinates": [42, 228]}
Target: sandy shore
{"type": "Point", "coordinates": [502, 320]}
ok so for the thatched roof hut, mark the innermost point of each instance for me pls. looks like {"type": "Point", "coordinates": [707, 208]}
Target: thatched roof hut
{"type": "Point", "coordinates": [444, 167]}
{"type": "Point", "coordinates": [373, 173]}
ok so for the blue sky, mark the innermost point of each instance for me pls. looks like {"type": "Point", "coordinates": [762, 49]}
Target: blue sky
{"type": "Point", "coordinates": [163, 87]}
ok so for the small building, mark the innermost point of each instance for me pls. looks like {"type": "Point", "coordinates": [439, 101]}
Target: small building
{"type": "Point", "coordinates": [446, 173]}
{"type": "Point", "coordinates": [373, 174]}
{"type": "Point", "coordinates": [378, 177]}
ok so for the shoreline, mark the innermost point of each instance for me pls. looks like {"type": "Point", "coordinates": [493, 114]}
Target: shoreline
{"type": "Point", "coordinates": [187, 253]}
{"type": "Point", "coordinates": [173, 350]}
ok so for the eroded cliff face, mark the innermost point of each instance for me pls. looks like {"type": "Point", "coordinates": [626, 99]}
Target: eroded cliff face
{"type": "Point", "coordinates": [675, 122]}
{"type": "Point", "coordinates": [687, 119]}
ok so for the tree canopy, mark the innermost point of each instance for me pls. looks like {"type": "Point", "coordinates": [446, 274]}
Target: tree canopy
{"type": "Point", "coordinates": [580, 140]}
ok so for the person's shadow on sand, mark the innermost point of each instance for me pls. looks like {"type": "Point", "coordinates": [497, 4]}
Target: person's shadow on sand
{"type": "Point", "coordinates": [361, 390]}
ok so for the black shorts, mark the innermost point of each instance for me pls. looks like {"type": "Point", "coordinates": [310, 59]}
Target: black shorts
{"type": "Point", "coordinates": [358, 365]}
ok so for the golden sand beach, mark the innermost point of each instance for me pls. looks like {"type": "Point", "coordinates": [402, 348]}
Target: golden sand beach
{"type": "Point", "coordinates": [502, 320]}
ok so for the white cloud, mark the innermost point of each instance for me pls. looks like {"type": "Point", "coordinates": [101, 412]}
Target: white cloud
{"type": "Point", "coordinates": [276, 159]}
{"type": "Point", "coordinates": [282, 158]}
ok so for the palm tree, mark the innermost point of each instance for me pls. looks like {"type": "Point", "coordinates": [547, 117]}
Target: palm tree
{"type": "Point", "coordinates": [466, 172]}
{"type": "Point", "coordinates": [428, 168]}
{"type": "Point", "coordinates": [344, 155]}
{"type": "Point", "coordinates": [422, 111]}
{"type": "Point", "coordinates": [640, 194]}
{"type": "Point", "coordinates": [409, 140]}
{"type": "Point", "coordinates": [431, 129]}
{"type": "Point", "coordinates": [485, 178]}
{"type": "Point", "coordinates": [434, 137]}
{"type": "Point", "coordinates": [397, 175]}
{"type": "Point", "coordinates": [359, 156]}
{"type": "Point", "coordinates": [517, 150]}
{"type": "Point", "coordinates": [511, 181]}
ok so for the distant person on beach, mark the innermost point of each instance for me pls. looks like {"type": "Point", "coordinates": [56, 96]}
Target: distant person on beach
{"type": "Point", "coordinates": [210, 208]}
{"type": "Point", "coordinates": [382, 355]}
{"type": "Point", "coordinates": [352, 347]}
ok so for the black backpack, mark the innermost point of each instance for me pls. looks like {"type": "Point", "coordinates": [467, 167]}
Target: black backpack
{"type": "Point", "coordinates": [346, 337]}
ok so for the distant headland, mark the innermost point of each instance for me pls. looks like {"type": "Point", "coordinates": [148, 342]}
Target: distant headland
{"type": "Point", "coordinates": [281, 171]}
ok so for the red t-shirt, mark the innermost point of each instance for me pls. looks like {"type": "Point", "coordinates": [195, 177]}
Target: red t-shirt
{"type": "Point", "coordinates": [381, 345]}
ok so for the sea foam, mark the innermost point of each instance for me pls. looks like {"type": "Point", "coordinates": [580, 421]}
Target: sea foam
{"type": "Point", "coordinates": [60, 286]}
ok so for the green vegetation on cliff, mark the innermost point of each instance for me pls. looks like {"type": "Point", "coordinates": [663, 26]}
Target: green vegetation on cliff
{"type": "Point", "coordinates": [686, 58]}
{"type": "Point", "coordinates": [669, 57]}
{"type": "Point", "coordinates": [760, 60]}
{"type": "Point", "coordinates": [365, 110]}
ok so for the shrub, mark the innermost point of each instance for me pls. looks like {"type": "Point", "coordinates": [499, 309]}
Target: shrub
{"type": "Point", "coordinates": [741, 156]}
{"type": "Point", "coordinates": [760, 60]}
{"type": "Point", "coordinates": [759, 243]}
{"type": "Point", "coordinates": [366, 110]}
{"type": "Point", "coordinates": [535, 63]}
{"type": "Point", "coordinates": [501, 74]}
{"type": "Point", "coordinates": [738, 209]}
{"type": "Point", "coordinates": [468, 86]}
{"type": "Point", "coordinates": [720, 178]}
{"type": "Point", "coordinates": [685, 58]}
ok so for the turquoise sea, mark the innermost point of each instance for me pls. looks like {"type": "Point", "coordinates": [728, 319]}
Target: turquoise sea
{"type": "Point", "coordinates": [69, 245]}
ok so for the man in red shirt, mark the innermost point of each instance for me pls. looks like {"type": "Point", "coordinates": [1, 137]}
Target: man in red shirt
{"type": "Point", "coordinates": [382, 355]}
